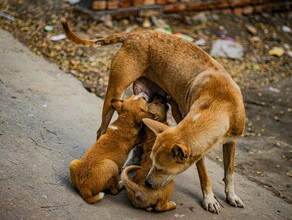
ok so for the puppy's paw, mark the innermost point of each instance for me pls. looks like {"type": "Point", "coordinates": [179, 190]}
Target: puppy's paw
{"type": "Point", "coordinates": [211, 204]}
{"type": "Point", "coordinates": [234, 200]}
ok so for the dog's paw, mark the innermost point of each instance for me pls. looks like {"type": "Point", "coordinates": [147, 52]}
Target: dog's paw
{"type": "Point", "coordinates": [234, 200]}
{"type": "Point", "coordinates": [211, 204]}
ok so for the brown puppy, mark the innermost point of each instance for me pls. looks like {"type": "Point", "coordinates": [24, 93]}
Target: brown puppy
{"type": "Point", "coordinates": [143, 196]}
{"type": "Point", "coordinates": [99, 168]}
{"type": "Point", "coordinates": [210, 109]}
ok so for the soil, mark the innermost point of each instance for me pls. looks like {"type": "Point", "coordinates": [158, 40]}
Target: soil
{"type": "Point", "coordinates": [264, 153]}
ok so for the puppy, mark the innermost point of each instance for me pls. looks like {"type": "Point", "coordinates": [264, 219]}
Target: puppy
{"type": "Point", "coordinates": [208, 103]}
{"type": "Point", "coordinates": [143, 196]}
{"type": "Point", "coordinates": [99, 168]}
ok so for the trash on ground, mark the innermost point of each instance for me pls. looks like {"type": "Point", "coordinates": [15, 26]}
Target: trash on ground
{"type": "Point", "coordinates": [289, 53]}
{"type": "Point", "coordinates": [255, 39]}
{"type": "Point", "coordinates": [200, 42]}
{"type": "Point", "coordinates": [286, 29]}
{"type": "Point", "coordinates": [49, 28]}
{"type": "Point", "coordinates": [184, 36]}
{"type": "Point", "coordinates": [108, 21]}
{"type": "Point", "coordinates": [58, 37]}
{"type": "Point", "coordinates": [276, 51]}
{"type": "Point", "coordinates": [251, 29]}
{"type": "Point", "coordinates": [160, 23]}
{"type": "Point", "coordinates": [5, 15]}
{"type": "Point", "coordinates": [225, 48]}
{"type": "Point", "coordinates": [177, 215]}
{"type": "Point", "coordinates": [146, 23]}
{"type": "Point", "coordinates": [164, 30]}
{"type": "Point", "coordinates": [200, 17]}
{"type": "Point", "coordinates": [274, 89]}
{"type": "Point", "coordinates": [73, 2]}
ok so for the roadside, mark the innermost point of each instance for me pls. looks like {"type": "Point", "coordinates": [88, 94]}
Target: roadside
{"type": "Point", "coordinates": [264, 155]}
{"type": "Point", "coordinates": [47, 119]}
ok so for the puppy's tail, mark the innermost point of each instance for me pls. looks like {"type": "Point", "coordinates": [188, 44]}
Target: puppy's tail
{"type": "Point", "coordinates": [128, 183]}
{"type": "Point", "coordinates": [112, 39]}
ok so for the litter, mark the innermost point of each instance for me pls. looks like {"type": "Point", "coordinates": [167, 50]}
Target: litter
{"type": "Point", "coordinates": [9, 17]}
{"type": "Point", "coordinates": [49, 28]}
{"type": "Point", "coordinates": [200, 42]}
{"type": "Point", "coordinates": [276, 51]}
{"type": "Point", "coordinates": [274, 90]}
{"type": "Point", "coordinates": [164, 30]}
{"type": "Point", "coordinates": [73, 2]}
{"type": "Point", "coordinates": [286, 29]}
{"type": "Point", "coordinates": [251, 29]}
{"type": "Point", "coordinates": [58, 37]}
{"type": "Point", "coordinates": [225, 48]}
{"type": "Point", "coordinates": [184, 36]}
{"type": "Point", "coordinates": [146, 23]}
{"type": "Point", "coordinates": [160, 23]}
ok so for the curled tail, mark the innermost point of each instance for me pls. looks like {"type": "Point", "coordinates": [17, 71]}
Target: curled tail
{"type": "Point", "coordinates": [112, 39]}
{"type": "Point", "coordinates": [128, 183]}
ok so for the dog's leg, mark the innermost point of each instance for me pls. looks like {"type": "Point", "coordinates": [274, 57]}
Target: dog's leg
{"type": "Point", "coordinates": [209, 201]}
{"type": "Point", "coordinates": [175, 110]}
{"type": "Point", "coordinates": [228, 157]}
{"type": "Point", "coordinates": [125, 69]}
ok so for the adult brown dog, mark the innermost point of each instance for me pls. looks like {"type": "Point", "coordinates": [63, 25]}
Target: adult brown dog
{"type": "Point", "coordinates": [143, 196]}
{"type": "Point", "coordinates": [210, 104]}
{"type": "Point", "coordinates": [99, 168]}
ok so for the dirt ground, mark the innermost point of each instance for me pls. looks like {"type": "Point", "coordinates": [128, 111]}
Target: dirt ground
{"type": "Point", "coordinates": [264, 153]}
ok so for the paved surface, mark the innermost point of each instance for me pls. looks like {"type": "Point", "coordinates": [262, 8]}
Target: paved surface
{"type": "Point", "coordinates": [47, 119]}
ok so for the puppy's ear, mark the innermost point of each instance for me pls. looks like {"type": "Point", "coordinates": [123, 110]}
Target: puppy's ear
{"type": "Point", "coordinates": [180, 152]}
{"type": "Point", "coordinates": [117, 104]}
{"type": "Point", "coordinates": [155, 126]}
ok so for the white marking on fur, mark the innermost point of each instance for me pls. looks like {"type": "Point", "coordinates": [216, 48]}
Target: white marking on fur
{"type": "Point", "coordinates": [143, 95]}
{"type": "Point", "coordinates": [113, 127]}
{"type": "Point", "coordinates": [196, 116]}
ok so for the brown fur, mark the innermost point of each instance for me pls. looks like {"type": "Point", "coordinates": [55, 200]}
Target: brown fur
{"type": "Point", "coordinates": [143, 196]}
{"type": "Point", "coordinates": [210, 109]}
{"type": "Point", "coordinates": [99, 168]}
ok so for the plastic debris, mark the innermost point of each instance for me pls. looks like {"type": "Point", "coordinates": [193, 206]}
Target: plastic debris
{"type": "Point", "coordinates": [9, 17]}
{"type": "Point", "coordinates": [200, 42]}
{"type": "Point", "coordinates": [160, 23]}
{"type": "Point", "coordinates": [73, 2]}
{"type": "Point", "coordinates": [274, 89]}
{"type": "Point", "coordinates": [164, 30]}
{"type": "Point", "coordinates": [49, 28]}
{"type": "Point", "coordinates": [289, 53]}
{"type": "Point", "coordinates": [276, 51]}
{"type": "Point", "coordinates": [286, 29]}
{"type": "Point", "coordinates": [225, 48]}
{"type": "Point", "coordinates": [251, 29]}
{"type": "Point", "coordinates": [146, 23]}
{"type": "Point", "coordinates": [184, 36]}
{"type": "Point", "coordinates": [58, 37]}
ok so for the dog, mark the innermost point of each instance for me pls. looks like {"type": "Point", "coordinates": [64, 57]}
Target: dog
{"type": "Point", "coordinates": [143, 196]}
{"type": "Point", "coordinates": [99, 168]}
{"type": "Point", "coordinates": [209, 104]}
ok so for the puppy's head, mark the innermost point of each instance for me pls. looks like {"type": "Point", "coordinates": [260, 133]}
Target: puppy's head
{"type": "Point", "coordinates": [168, 156]}
{"type": "Point", "coordinates": [135, 106]}
{"type": "Point", "coordinates": [159, 108]}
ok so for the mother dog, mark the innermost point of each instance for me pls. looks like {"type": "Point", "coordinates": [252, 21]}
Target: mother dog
{"type": "Point", "coordinates": [210, 105]}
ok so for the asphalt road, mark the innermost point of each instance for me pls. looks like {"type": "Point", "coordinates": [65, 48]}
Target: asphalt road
{"type": "Point", "coordinates": [47, 119]}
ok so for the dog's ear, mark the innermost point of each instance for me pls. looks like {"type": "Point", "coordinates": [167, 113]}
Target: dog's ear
{"type": "Point", "coordinates": [155, 126]}
{"type": "Point", "coordinates": [180, 152]}
{"type": "Point", "coordinates": [117, 104]}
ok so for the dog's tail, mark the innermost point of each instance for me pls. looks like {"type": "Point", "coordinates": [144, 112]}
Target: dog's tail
{"type": "Point", "coordinates": [128, 183]}
{"type": "Point", "coordinates": [112, 39]}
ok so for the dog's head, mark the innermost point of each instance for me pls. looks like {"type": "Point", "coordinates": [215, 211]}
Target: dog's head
{"type": "Point", "coordinates": [159, 108]}
{"type": "Point", "coordinates": [135, 105]}
{"type": "Point", "coordinates": [168, 156]}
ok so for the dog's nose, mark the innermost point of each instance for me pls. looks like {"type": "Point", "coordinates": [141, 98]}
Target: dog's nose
{"type": "Point", "coordinates": [147, 183]}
